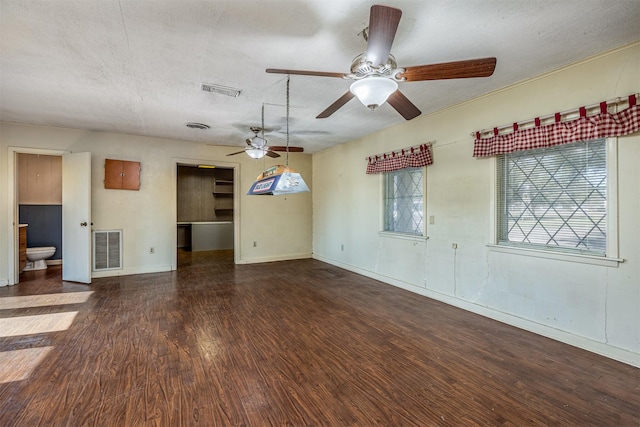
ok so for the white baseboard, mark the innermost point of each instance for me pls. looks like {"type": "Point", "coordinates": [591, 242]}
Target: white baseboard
{"type": "Point", "coordinates": [290, 257]}
{"type": "Point", "coordinates": [54, 261]}
{"type": "Point", "coordinates": [131, 271]}
{"type": "Point", "coordinates": [597, 347]}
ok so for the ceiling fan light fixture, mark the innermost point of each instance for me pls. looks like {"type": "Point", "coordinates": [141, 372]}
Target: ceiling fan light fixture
{"type": "Point", "coordinates": [373, 91]}
{"type": "Point", "coordinates": [258, 142]}
{"type": "Point", "coordinates": [256, 153]}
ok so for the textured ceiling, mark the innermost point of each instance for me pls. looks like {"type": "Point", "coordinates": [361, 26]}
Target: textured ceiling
{"type": "Point", "coordinates": [136, 67]}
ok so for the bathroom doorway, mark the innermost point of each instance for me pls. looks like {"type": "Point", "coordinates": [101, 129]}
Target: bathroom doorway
{"type": "Point", "coordinates": [39, 199]}
{"type": "Point", "coordinates": [72, 203]}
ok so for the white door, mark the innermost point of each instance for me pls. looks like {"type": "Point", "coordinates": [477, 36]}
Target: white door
{"type": "Point", "coordinates": [76, 217]}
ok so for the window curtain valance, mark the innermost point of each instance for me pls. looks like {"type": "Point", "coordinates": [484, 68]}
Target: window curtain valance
{"type": "Point", "coordinates": [411, 157]}
{"type": "Point", "coordinates": [584, 128]}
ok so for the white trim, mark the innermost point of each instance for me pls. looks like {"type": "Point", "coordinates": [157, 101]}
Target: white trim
{"type": "Point", "coordinates": [131, 271]}
{"type": "Point", "coordinates": [612, 197]}
{"type": "Point", "coordinates": [290, 257]}
{"type": "Point", "coordinates": [381, 191]}
{"type": "Point", "coordinates": [403, 236]}
{"type": "Point", "coordinates": [559, 256]}
{"type": "Point", "coordinates": [597, 347]}
{"type": "Point", "coordinates": [493, 199]}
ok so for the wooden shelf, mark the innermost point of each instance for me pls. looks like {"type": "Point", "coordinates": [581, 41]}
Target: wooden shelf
{"type": "Point", "coordinates": [222, 187]}
{"type": "Point", "coordinates": [223, 202]}
{"type": "Point", "coordinates": [205, 194]}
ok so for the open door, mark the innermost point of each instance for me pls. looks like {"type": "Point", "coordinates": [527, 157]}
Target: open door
{"type": "Point", "coordinates": [76, 217]}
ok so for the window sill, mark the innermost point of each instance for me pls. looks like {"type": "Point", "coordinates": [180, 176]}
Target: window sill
{"type": "Point", "coordinates": [558, 256]}
{"type": "Point", "coordinates": [402, 236]}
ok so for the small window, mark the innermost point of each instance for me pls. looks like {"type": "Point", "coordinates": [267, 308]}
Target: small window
{"type": "Point", "coordinates": [554, 198]}
{"type": "Point", "coordinates": [403, 201]}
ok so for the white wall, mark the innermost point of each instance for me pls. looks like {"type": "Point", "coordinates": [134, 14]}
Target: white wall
{"type": "Point", "coordinates": [594, 307]}
{"type": "Point", "coordinates": [280, 225]}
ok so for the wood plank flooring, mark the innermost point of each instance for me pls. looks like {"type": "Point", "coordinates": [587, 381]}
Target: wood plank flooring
{"type": "Point", "coordinates": [295, 343]}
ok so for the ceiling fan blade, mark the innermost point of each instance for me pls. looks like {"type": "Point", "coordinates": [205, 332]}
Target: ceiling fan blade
{"type": "Point", "coordinates": [403, 106]}
{"type": "Point", "coordinates": [482, 67]}
{"type": "Point", "coordinates": [272, 154]}
{"type": "Point", "coordinates": [335, 106]}
{"type": "Point", "coordinates": [284, 148]}
{"type": "Point", "coordinates": [304, 73]}
{"type": "Point", "coordinates": [383, 24]}
{"type": "Point", "coordinates": [233, 154]}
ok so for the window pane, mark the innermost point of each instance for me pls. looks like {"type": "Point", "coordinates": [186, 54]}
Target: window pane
{"type": "Point", "coordinates": [554, 197]}
{"type": "Point", "coordinates": [403, 201]}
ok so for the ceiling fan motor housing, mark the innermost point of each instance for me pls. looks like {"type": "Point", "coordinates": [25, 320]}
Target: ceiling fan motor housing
{"type": "Point", "coordinates": [361, 68]}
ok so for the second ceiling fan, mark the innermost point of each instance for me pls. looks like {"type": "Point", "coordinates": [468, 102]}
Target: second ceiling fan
{"type": "Point", "coordinates": [377, 74]}
{"type": "Point", "coordinates": [257, 146]}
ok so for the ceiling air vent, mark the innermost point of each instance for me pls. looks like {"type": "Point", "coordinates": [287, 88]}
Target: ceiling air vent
{"type": "Point", "coordinates": [194, 125]}
{"type": "Point", "coordinates": [224, 90]}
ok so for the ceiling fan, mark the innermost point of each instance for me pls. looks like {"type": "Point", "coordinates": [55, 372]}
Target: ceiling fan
{"type": "Point", "coordinates": [376, 73]}
{"type": "Point", "coordinates": [258, 148]}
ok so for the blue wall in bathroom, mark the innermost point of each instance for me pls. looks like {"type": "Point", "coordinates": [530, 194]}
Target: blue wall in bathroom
{"type": "Point", "coordinates": [45, 226]}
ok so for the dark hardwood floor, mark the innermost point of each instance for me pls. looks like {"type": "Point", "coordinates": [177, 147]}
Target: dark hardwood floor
{"type": "Point", "coordinates": [296, 343]}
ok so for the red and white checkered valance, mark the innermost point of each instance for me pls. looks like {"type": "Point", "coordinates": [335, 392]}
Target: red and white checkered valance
{"type": "Point", "coordinates": [412, 157]}
{"type": "Point", "coordinates": [584, 128]}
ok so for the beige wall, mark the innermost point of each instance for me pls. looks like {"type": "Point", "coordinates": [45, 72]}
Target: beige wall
{"type": "Point", "coordinates": [595, 307]}
{"type": "Point", "coordinates": [280, 226]}
{"type": "Point", "coordinates": [591, 306]}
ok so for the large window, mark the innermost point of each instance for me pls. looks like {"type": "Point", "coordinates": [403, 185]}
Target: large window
{"type": "Point", "coordinates": [555, 198]}
{"type": "Point", "coordinates": [403, 201]}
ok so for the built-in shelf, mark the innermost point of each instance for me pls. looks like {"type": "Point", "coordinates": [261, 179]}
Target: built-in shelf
{"type": "Point", "coordinates": [221, 186]}
{"type": "Point", "coordinates": [223, 201]}
{"type": "Point", "coordinates": [205, 194]}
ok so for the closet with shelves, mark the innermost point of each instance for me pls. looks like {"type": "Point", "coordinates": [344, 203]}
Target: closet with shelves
{"type": "Point", "coordinates": [205, 208]}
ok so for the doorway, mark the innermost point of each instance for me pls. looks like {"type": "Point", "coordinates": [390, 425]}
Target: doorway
{"type": "Point", "coordinates": [76, 187]}
{"type": "Point", "coordinates": [39, 199]}
{"type": "Point", "coordinates": [206, 212]}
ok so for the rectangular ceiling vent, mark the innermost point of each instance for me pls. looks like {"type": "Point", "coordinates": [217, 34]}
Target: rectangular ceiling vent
{"type": "Point", "coordinates": [107, 250]}
{"type": "Point", "coordinates": [224, 90]}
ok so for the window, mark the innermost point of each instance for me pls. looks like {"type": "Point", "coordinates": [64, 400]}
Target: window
{"type": "Point", "coordinates": [555, 198]}
{"type": "Point", "coordinates": [403, 201]}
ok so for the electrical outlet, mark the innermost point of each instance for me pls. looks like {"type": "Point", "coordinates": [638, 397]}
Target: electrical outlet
{"type": "Point", "coordinates": [454, 246]}
{"type": "Point", "coordinates": [255, 244]}
{"type": "Point", "coordinates": [432, 219]}
{"type": "Point", "coordinates": [342, 248]}
{"type": "Point", "coordinates": [152, 250]}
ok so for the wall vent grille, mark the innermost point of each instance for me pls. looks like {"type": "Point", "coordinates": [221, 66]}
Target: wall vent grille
{"type": "Point", "coordinates": [107, 250]}
{"type": "Point", "coordinates": [224, 90]}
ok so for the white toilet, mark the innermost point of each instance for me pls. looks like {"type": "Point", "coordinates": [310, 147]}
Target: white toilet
{"type": "Point", "coordinates": [36, 257]}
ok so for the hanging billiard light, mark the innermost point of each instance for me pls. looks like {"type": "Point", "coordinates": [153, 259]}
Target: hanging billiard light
{"type": "Point", "coordinates": [279, 179]}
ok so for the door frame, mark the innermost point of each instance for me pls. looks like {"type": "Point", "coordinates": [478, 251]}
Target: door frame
{"type": "Point", "coordinates": [12, 202]}
{"type": "Point", "coordinates": [174, 203]}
